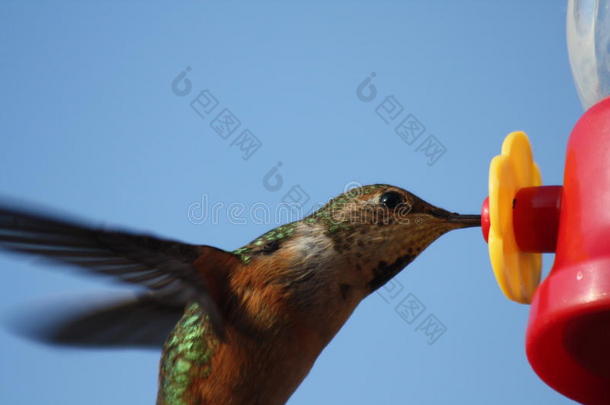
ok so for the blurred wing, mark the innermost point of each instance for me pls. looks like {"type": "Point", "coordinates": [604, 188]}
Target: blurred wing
{"type": "Point", "coordinates": [164, 266]}
{"type": "Point", "coordinates": [142, 322]}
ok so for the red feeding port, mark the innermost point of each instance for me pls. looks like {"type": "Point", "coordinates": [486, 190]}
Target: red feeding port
{"type": "Point", "coordinates": [536, 218]}
{"type": "Point", "coordinates": [485, 221]}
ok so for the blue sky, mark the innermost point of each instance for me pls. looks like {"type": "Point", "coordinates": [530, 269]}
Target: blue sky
{"type": "Point", "coordinates": [90, 126]}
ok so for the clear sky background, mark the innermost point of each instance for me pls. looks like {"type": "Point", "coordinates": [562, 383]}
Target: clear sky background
{"type": "Point", "coordinates": [89, 125]}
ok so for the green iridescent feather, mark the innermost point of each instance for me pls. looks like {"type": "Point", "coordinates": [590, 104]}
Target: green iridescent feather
{"type": "Point", "coordinates": [186, 356]}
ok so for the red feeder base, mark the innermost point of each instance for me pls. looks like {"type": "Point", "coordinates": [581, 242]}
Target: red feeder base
{"type": "Point", "coordinates": [568, 337]}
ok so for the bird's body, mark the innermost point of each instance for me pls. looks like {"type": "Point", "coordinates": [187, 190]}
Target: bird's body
{"type": "Point", "coordinates": [249, 324]}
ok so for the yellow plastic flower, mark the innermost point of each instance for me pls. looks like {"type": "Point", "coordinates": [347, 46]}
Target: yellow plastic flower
{"type": "Point", "coordinates": [517, 273]}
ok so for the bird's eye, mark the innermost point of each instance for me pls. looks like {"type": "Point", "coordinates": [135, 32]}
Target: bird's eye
{"type": "Point", "coordinates": [391, 199]}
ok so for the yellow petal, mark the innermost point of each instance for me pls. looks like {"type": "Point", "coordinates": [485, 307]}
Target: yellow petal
{"type": "Point", "coordinates": [517, 273]}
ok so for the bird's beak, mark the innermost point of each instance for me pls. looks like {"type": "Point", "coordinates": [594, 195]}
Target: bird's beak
{"type": "Point", "coordinates": [464, 221]}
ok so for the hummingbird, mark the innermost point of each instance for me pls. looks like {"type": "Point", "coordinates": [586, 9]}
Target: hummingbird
{"type": "Point", "coordinates": [243, 326]}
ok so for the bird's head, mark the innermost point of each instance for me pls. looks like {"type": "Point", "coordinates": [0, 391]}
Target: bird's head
{"type": "Point", "coordinates": [382, 228]}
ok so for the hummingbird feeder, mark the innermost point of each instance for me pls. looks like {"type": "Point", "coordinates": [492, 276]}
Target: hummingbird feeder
{"type": "Point", "coordinates": [568, 334]}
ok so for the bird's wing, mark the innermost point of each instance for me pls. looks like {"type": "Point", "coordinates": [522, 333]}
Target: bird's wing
{"type": "Point", "coordinates": [174, 271]}
{"type": "Point", "coordinates": [142, 322]}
